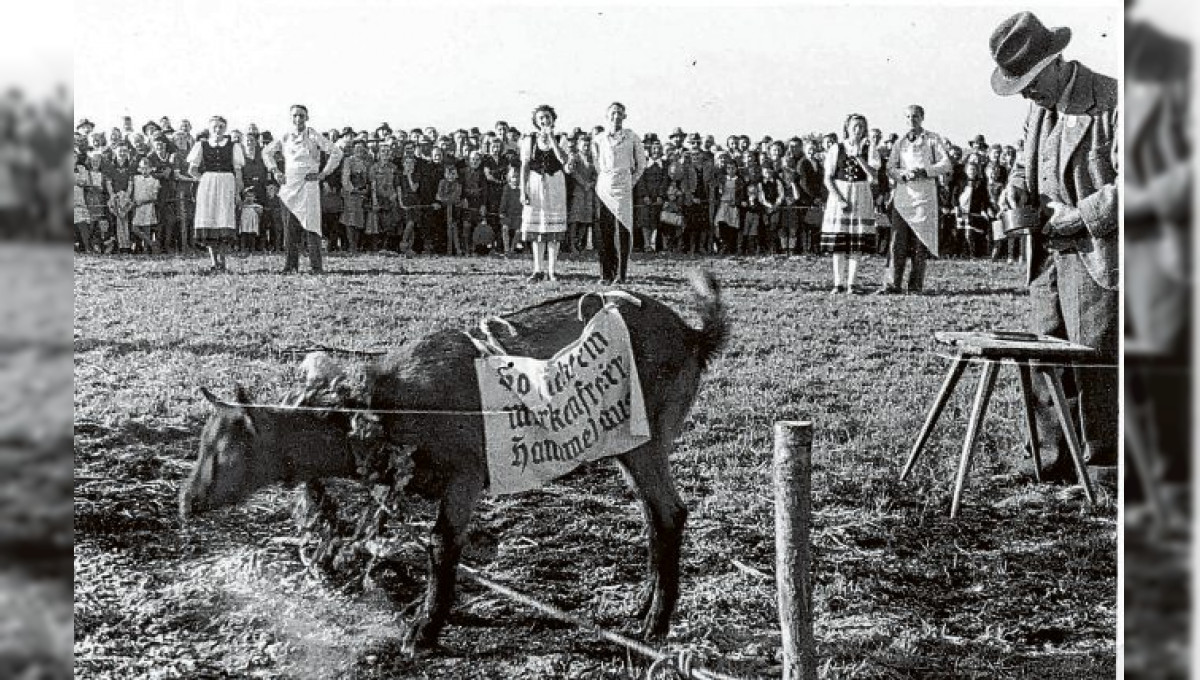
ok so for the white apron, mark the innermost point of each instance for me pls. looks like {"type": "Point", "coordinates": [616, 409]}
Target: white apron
{"type": "Point", "coordinates": [615, 191]}
{"type": "Point", "coordinates": [916, 201]}
{"type": "Point", "coordinates": [303, 199]}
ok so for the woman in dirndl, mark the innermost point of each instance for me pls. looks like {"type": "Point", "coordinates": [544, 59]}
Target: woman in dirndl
{"type": "Point", "coordinates": [848, 229]}
{"type": "Point", "coordinates": [544, 193]}
{"type": "Point", "coordinates": [218, 162]}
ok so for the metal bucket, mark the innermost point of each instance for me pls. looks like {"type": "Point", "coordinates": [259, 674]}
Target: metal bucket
{"type": "Point", "coordinates": [1018, 220]}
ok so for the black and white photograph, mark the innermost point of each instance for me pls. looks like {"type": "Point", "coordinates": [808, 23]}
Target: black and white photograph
{"type": "Point", "coordinates": [486, 340]}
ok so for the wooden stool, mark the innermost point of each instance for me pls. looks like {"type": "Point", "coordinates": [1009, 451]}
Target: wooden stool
{"type": "Point", "coordinates": [1032, 354]}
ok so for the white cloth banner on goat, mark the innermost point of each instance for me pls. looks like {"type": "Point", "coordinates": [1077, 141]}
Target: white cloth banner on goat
{"type": "Point", "coordinates": [585, 403]}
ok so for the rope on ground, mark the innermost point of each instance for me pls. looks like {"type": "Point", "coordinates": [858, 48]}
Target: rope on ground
{"type": "Point", "coordinates": [334, 350]}
{"type": "Point", "coordinates": [684, 666]}
{"type": "Point", "coordinates": [367, 411]}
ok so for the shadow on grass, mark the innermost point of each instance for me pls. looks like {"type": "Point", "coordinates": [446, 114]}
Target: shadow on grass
{"type": "Point", "coordinates": [978, 292]}
{"type": "Point", "coordinates": [121, 348]}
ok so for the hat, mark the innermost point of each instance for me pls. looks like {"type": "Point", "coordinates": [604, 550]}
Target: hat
{"type": "Point", "coordinates": [384, 126]}
{"type": "Point", "coordinates": [694, 137]}
{"type": "Point", "coordinates": [678, 132]}
{"type": "Point", "coordinates": [577, 132]}
{"type": "Point", "coordinates": [979, 140]}
{"type": "Point", "coordinates": [267, 137]}
{"type": "Point", "coordinates": [475, 132]}
{"type": "Point", "coordinates": [85, 123]}
{"type": "Point", "coordinates": [150, 124]}
{"type": "Point", "coordinates": [347, 131]}
{"type": "Point", "coordinates": [1021, 47]}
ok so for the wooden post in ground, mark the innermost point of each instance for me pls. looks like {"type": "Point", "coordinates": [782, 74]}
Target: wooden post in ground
{"type": "Point", "coordinates": [793, 564]}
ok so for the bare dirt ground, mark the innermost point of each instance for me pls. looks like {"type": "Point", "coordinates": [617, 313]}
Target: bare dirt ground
{"type": "Point", "coordinates": [1023, 584]}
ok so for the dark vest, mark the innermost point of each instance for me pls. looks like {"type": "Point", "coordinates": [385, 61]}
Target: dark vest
{"type": "Point", "coordinates": [216, 158]}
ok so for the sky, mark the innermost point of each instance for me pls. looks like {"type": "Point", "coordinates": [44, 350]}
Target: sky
{"type": "Point", "coordinates": [780, 70]}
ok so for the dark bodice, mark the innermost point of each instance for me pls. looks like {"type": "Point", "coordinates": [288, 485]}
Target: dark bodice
{"type": "Point", "coordinates": [543, 161]}
{"type": "Point", "coordinates": [216, 158]}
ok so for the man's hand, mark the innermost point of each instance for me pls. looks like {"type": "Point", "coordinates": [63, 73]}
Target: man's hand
{"type": "Point", "coordinates": [1066, 221]}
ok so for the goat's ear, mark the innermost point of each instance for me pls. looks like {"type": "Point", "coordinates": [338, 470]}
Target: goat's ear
{"type": "Point", "coordinates": [212, 399]}
{"type": "Point", "coordinates": [242, 397]}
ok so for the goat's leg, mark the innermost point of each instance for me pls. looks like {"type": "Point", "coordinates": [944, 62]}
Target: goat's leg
{"type": "Point", "coordinates": [648, 472]}
{"type": "Point", "coordinates": [448, 538]}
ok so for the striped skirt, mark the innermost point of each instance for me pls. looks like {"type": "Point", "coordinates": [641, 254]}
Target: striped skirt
{"type": "Point", "coordinates": [851, 231]}
{"type": "Point", "coordinates": [545, 218]}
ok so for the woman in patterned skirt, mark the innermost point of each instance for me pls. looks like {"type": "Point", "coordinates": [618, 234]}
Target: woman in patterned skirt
{"type": "Point", "coordinates": [544, 193]}
{"type": "Point", "coordinates": [218, 162]}
{"type": "Point", "coordinates": [849, 226]}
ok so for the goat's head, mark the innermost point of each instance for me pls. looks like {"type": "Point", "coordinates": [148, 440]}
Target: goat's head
{"type": "Point", "coordinates": [231, 464]}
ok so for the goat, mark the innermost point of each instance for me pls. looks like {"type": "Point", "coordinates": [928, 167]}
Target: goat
{"type": "Point", "coordinates": [243, 450]}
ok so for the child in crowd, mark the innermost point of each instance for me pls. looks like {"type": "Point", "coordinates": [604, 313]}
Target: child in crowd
{"type": "Point", "coordinates": [997, 176]}
{"type": "Point", "coordinates": [248, 226]}
{"type": "Point", "coordinates": [81, 215]}
{"type": "Point", "coordinates": [271, 227]}
{"type": "Point", "coordinates": [482, 238]}
{"type": "Point", "coordinates": [144, 196]}
{"type": "Point", "coordinates": [971, 207]}
{"type": "Point", "coordinates": [730, 201]}
{"type": "Point", "coordinates": [771, 192]}
{"type": "Point", "coordinates": [409, 196]}
{"type": "Point", "coordinates": [474, 190]}
{"type": "Point", "coordinates": [510, 211]}
{"type": "Point", "coordinates": [671, 217]}
{"type": "Point", "coordinates": [449, 200]}
{"type": "Point", "coordinates": [752, 214]}
{"type": "Point", "coordinates": [96, 195]}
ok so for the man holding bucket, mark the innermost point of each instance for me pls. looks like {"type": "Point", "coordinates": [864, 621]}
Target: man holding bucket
{"type": "Point", "coordinates": [1067, 171]}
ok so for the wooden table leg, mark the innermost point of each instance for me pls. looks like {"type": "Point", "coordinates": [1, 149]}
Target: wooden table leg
{"type": "Point", "coordinates": [1068, 427]}
{"type": "Point", "coordinates": [956, 371]}
{"type": "Point", "coordinates": [1026, 374]}
{"type": "Point", "coordinates": [986, 382]}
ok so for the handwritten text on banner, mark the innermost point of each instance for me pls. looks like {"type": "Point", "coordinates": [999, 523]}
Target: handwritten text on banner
{"type": "Point", "coordinates": [583, 404]}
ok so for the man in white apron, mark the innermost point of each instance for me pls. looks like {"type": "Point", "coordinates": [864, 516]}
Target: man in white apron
{"type": "Point", "coordinates": [918, 158]}
{"type": "Point", "coordinates": [300, 185]}
{"type": "Point", "coordinates": [620, 161]}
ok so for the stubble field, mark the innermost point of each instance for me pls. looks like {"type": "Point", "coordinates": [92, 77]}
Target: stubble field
{"type": "Point", "coordinates": [1023, 584]}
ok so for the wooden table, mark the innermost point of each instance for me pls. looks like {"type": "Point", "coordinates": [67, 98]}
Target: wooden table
{"type": "Point", "coordinates": [1032, 354]}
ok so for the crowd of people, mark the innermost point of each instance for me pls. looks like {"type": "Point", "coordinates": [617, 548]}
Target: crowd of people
{"type": "Point", "coordinates": [421, 191]}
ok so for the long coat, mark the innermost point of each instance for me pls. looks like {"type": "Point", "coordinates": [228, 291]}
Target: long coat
{"type": "Point", "coordinates": [1086, 176]}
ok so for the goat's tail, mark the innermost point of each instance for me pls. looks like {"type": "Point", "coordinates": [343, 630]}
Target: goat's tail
{"type": "Point", "coordinates": [713, 333]}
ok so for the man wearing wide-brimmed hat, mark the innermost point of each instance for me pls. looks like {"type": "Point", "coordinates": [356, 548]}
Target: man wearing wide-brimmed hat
{"type": "Point", "coordinates": [1068, 172]}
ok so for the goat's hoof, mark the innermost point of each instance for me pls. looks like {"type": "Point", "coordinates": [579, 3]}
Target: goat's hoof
{"type": "Point", "coordinates": [645, 601]}
{"type": "Point", "coordinates": [652, 631]}
{"type": "Point", "coordinates": [421, 639]}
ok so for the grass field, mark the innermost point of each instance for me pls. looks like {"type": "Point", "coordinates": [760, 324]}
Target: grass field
{"type": "Point", "coordinates": [1023, 584]}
